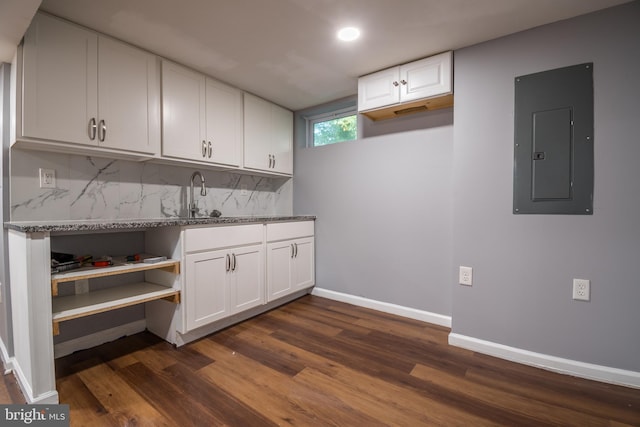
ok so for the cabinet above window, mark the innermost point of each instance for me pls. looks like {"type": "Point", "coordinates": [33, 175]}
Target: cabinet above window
{"type": "Point", "coordinates": [422, 85]}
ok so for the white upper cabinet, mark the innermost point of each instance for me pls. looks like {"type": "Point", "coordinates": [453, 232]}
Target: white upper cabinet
{"type": "Point", "coordinates": [60, 81]}
{"type": "Point", "coordinates": [201, 118]}
{"type": "Point", "coordinates": [423, 79]}
{"type": "Point", "coordinates": [268, 136]}
{"type": "Point", "coordinates": [83, 88]}
{"type": "Point", "coordinates": [379, 89]}
{"type": "Point", "coordinates": [128, 98]}
{"type": "Point", "coordinates": [426, 78]}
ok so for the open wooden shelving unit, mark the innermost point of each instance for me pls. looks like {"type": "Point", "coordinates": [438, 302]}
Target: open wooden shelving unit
{"type": "Point", "coordinates": [94, 302]}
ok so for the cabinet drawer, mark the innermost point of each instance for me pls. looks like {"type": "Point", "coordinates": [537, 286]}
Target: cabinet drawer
{"type": "Point", "coordinates": [289, 230]}
{"type": "Point", "coordinates": [206, 238]}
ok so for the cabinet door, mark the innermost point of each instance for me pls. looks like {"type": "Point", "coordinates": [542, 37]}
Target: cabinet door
{"type": "Point", "coordinates": [246, 288]}
{"type": "Point", "coordinates": [59, 81]}
{"type": "Point", "coordinates": [205, 288]}
{"type": "Point", "coordinates": [183, 113]}
{"type": "Point", "coordinates": [268, 136]}
{"type": "Point", "coordinates": [128, 98]}
{"type": "Point", "coordinates": [281, 140]}
{"type": "Point", "coordinates": [224, 123]}
{"type": "Point", "coordinates": [279, 266]}
{"type": "Point", "coordinates": [427, 77]}
{"type": "Point", "coordinates": [303, 272]}
{"type": "Point", "coordinates": [257, 128]}
{"type": "Point", "coordinates": [379, 89]}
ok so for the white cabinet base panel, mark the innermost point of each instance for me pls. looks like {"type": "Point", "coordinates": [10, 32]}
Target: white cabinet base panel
{"type": "Point", "coordinates": [84, 342]}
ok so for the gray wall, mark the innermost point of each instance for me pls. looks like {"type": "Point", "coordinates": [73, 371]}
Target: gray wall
{"type": "Point", "coordinates": [383, 207]}
{"type": "Point", "coordinates": [524, 264]}
{"type": "Point", "coordinates": [398, 214]}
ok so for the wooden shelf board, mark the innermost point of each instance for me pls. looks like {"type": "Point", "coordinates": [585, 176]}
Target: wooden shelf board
{"type": "Point", "coordinates": [172, 266]}
{"type": "Point", "coordinates": [399, 110]}
{"type": "Point", "coordinates": [81, 305]}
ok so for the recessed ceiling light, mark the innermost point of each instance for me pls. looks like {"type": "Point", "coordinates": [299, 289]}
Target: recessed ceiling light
{"type": "Point", "coordinates": [348, 34]}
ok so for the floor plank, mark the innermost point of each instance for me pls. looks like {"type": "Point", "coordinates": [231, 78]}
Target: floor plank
{"type": "Point", "coordinates": [317, 362]}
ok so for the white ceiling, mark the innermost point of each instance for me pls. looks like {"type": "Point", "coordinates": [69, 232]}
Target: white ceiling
{"type": "Point", "coordinates": [15, 17]}
{"type": "Point", "coordinates": [286, 50]}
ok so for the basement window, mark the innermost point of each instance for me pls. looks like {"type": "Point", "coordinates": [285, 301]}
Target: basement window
{"type": "Point", "coordinates": [332, 127]}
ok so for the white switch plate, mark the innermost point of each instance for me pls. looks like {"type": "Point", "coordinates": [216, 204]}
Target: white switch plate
{"type": "Point", "coordinates": [47, 178]}
{"type": "Point", "coordinates": [465, 276]}
{"type": "Point", "coordinates": [581, 289]}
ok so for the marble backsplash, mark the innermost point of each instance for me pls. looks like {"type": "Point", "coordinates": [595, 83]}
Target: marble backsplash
{"type": "Point", "coordinates": [99, 188]}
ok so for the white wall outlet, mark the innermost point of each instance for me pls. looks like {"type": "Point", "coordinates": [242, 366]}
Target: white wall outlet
{"type": "Point", "coordinates": [582, 289]}
{"type": "Point", "coordinates": [47, 178]}
{"type": "Point", "coordinates": [465, 276]}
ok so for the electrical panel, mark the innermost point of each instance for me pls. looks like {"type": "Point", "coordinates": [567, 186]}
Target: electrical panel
{"type": "Point", "coordinates": [553, 143]}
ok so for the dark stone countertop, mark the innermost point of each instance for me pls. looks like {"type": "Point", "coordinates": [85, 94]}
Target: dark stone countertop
{"type": "Point", "coordinates": [129, 224]}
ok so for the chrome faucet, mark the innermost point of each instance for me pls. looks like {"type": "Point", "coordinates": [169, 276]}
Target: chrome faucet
{"type": "Point", "coordinates": [203, 191]}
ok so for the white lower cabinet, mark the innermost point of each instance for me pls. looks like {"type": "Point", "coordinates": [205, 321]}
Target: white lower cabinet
{"type": "Point", "coordinates": [290, 258]}
{"type": "Point", "coordinates": [226, 275]}
{"type": "Point", "coordinates": [225, 268]}
{"type": "Point", "coordinates": [223, 282]}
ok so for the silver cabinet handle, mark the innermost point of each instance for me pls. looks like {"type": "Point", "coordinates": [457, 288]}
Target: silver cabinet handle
{"type": "Point", "coordinates": [204, 148]}
{"type": "Point", "coordinates": [210, 149]}
{"type": "Point", "coordinates": [102, 131]}
{"type": "Point", "coordinates": [270, 161]}
{"type": "Point", "coordinates": [396, 84]}
{"type": "Point", "coordinates": [233, 264]}
{"type": "Point", "coordinates": [274, 161]}
{"type": "Point", "coordinates": [228, 263]}
{"type": "Point", "coordinates": [296, 245]}
{"type": "Point", "coordinates": [92, 128]}
{"type": "Point", "coordinates": [293, 251]}
{"type": "Point", "coordinates": [404, 82]}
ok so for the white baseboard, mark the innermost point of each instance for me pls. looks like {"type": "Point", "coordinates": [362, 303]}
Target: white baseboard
{"type": "Point", "coordinates": [87, 341]}
{"type": "Point", "coordinates": [49, 397]}
{"type": "Point", "coordinates": [7, 361]}
{"type": "Point", "coordinates": [550, 363]}
{"type": "Point", "coordinates": [385, 307]}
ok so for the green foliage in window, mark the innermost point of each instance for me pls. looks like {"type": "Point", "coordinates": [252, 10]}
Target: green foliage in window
{"type": "Point", "coordinates": [336, 130]}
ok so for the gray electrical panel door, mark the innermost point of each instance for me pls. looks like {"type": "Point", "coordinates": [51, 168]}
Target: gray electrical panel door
{"type": "Point", "coordinates": [553, 144]}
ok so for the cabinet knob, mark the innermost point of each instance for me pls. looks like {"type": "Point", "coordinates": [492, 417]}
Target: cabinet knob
{"type": "Point", "coordinates": [396, 84]}
{"type": "Point", "coordinates": [92, 128]}
{"type": "Point", "coordinates": [404, 82]}
{"type": "Point", "coordinates": [102, 131]}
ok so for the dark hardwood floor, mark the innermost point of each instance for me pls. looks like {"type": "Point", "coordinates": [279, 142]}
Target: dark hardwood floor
{"type": "Point", "coordinates": [317, 362]}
